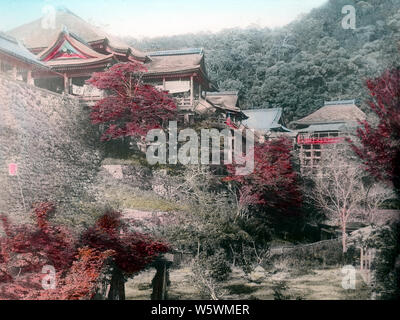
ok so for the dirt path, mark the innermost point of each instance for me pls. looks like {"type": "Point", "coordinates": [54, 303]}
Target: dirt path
{"type": "Point", "coordinates": [323, 284]}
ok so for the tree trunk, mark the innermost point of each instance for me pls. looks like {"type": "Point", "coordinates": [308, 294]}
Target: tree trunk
{"type": "Point", "coordinates": [344, 237]}
{"type": "Point", "coordinates": [117, 287]}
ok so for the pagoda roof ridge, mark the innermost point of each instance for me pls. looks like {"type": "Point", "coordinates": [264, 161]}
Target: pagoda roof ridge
{"type": "Point", "coordinates": [339, 102]}
{"type": "Point", "coordinates": [176, 52]}
{"type": "Point", "coordinates": [66, 31]}
{"type": "Point", "coordinates": [264, 109]}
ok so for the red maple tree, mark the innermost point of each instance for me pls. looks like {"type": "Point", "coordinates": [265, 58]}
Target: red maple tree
{"type": "Point", "coordinates": [273, 183]}
{"type": "Point", "coordinates": [380, 144]}
{"type": "Point", "coordinates": [131, 107]}
{"type": "Point", "coordinates": [78, 260]}
{"type": "Point", "coordinates": [133, 250]}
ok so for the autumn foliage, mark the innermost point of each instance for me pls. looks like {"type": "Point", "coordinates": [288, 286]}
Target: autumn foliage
{"type": "Point", "coordinates": [132, 251]}
{"type": "Point", "coordinates": [380, 144]}
{"type": "Point", "coordinates": [78, 260]}
{"type": "Point", "coordinates": [131, 107]}
{"type": "Point", "coordinates": [273, 183]}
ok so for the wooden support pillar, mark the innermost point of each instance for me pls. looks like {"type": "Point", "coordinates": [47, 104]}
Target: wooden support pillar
{"type": "Point", "coordinates": [66, 83]}
{"type": "Point", "coordinates": [29, 79]}
{"type": "Point", "coordinates": [199, 91]}
{"type": "Point", "coordinates": [14, 73]}
{"type": "Point", "coordinates": [191, 90]}
{"type": "Point", "coordinates": [163, 82]}
{"type": "Point", "coordinates": [164, 283]}
{"type": "Point", "coordinates": [186, 118]}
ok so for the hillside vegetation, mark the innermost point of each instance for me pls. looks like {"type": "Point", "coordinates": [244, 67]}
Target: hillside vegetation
{"type": "Point", "coordinates": [299, 66]}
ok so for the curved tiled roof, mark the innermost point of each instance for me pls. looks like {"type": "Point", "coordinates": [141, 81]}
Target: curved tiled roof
{"type": "Point", "coordinates": [339, 126]}
{"type": "Point", "coordinates": [263, 119]}
{"type": "Point", "coordinates": [227, 99]}
{"type": "Point", "coordinates": [12, 47]}
{"type": "Point", "coordinates": [335, 111]}
{"type": "Point", "coordinates": [36, 35]}
{"type": "Point", "coordinates": [174, 62]}
{"type": "Point", "coordinates": [94, 56]}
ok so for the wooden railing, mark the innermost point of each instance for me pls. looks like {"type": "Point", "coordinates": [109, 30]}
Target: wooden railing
{"type": "Point", "coordinates": [186, 103]}
{"type": "Point", "coordinates": [285, 249]}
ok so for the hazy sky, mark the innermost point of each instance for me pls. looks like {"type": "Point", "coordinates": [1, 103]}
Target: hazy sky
{"type": "Point", "coordinates": [162, 17]}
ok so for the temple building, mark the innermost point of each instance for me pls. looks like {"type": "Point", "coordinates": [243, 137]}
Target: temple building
{"type": "Point", "coordinates": [267, 124]}
{"type": "Point", "coordinates": [73, 49]}
{"type": "Point", "coordinates": [328, 126]}
{"type": "Point", "coordinates": [18, 63]}
{"type": "Point", "coordinates": [265, 120]}
{"type": "Point", "coordinates": [75, 60]}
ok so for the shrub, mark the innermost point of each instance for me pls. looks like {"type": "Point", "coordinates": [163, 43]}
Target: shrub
{"type": "Point", "coordinates": [281, 292]}
{"type": "Point", "coordinates": [217, 265]}
{"type": "Point", "coordinates": [209, 272]}
{"type": "Point", "coordinates": [308, 256]}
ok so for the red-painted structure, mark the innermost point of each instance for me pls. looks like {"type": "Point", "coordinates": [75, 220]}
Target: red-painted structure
{"type": "Point", "coordinates": [325, 127]}
{"type": "Point", "coordinates": [324, 140]}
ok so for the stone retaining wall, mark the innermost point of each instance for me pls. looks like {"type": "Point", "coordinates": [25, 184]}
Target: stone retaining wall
{"type": "Point", "coordinates": [50, 138]}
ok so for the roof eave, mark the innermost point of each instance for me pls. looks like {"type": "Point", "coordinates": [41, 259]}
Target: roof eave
{"type": "Point", "coordinates": [84, 64]}
{"type": "Point", "coordinates": [26, 60]}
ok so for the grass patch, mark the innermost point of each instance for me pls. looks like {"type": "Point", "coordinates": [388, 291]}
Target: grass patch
{"type": "Point", "coordinates": [140, 200]}
{"type": "Point", "coordinates": [151, 204]}
{"type": "Point", "coordinates": [132, 161]}
{"type": "Point", "coordinates": [140, 160]}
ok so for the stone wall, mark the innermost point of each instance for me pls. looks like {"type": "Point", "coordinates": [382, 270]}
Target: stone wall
{"type": "Point", "coordinates": [50, 138]}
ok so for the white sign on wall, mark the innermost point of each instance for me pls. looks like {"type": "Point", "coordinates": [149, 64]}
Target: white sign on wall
{"type": "Point", "coordinates": [12, 169]}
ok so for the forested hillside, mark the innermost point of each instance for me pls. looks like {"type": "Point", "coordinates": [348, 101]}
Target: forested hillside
{"type": "Point", "coordinates": [299, 66]}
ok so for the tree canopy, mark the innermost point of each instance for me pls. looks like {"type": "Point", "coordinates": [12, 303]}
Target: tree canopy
{"type": "Point", "coordinates": [379, 146]}
{"type": "Point", "coordinates": [130, 108]}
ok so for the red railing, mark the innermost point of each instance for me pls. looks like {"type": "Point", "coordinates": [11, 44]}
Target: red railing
{"type": "Point", "coordinates": [319, 140]}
